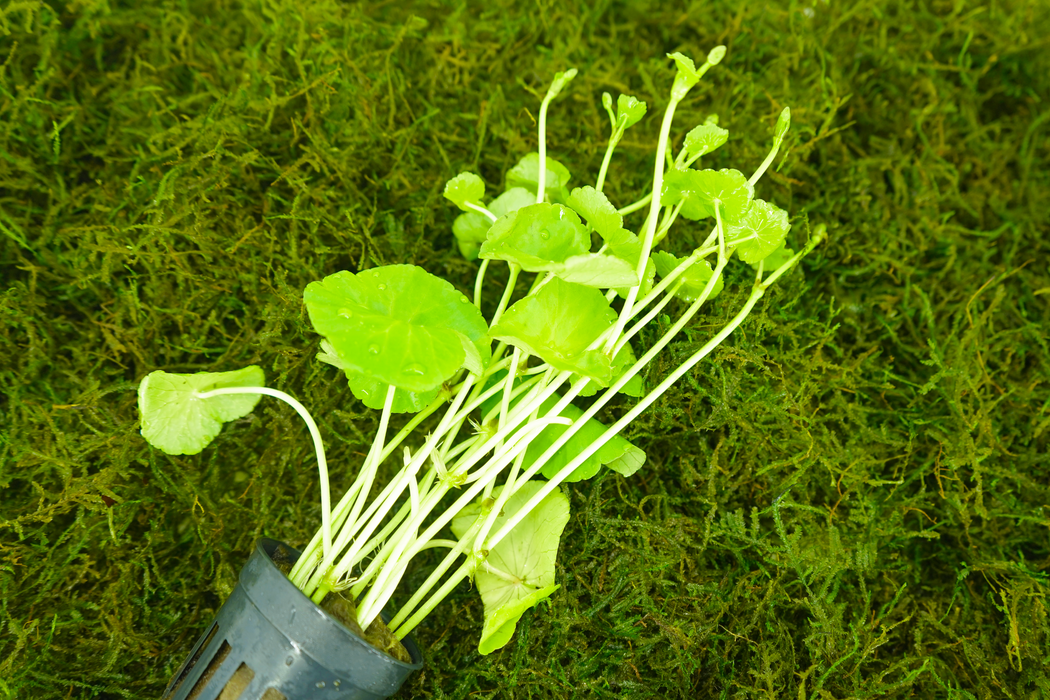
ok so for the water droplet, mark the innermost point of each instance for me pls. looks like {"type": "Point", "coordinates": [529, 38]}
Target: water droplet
{"type": "Point", "coordinates": [381, 287]}
{"type": "Point", "coordinates": [544, 234]}
{"type": "Point", "coordinates": [289, 661]}
{"type": "Point", "coordinates": [464, 300]}
{"type": "Point", "coordinates": [336, 684]}
{"type": "Point", "coordinates": [346, 313]}
{"type": "Point", "coordinates": [374, 349]}
{"type": "Point", "coordinates": [413, 369]}
{"type": "Point", "coordinates": [320, 684]}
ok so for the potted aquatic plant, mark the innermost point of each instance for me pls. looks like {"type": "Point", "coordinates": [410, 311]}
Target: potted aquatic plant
{"type": "Point", "coordinates": [482, 482]}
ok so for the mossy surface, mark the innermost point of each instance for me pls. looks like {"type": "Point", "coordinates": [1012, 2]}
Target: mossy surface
{"type": "Point", "coordinates": [850, 499]}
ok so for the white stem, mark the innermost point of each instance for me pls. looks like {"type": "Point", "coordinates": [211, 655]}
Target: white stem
{"type": "Point", "coordinates": [322, 463]}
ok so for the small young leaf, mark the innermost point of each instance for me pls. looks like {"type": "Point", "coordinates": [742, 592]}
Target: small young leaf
{"type": "Point", "coordinates": [526, 174]}
{"type": "Point", "coordinates": [176, 421]}
{"type": "Point", "coordinates": [694, 279]}
{"type": "Point", "coordinates": [537, 235]}
{"type": "Point", "coordinates": [701, 188]}
{"type": "Point", "coordinates": [397, 324]}
{"type": "Point", "coordinates": [595, 207]}
{"type": "Point", "coordinates": [783, 123]}
{"type": "Point", "coordinates": [715, 55]}
{"type": "Point", "coordinates": [527, 553]}
{"type": "Point", "coordinates": [561, 79]}
{"type": "Point", "coordinates": [607, 103]}
{"type": "Point", "coordinates": [463, 189]}
{"type": "Point", "coordinates": [470, 230]}
{"type": "Point", "coordinates": [686, 77]}
{"type": "Point", "coordinates": [629, 111]}
{"type": "Point", "coordinates": [557, 323]}
{"type": "Point", "coordinates": [765, 226]}
{"type": "Point", "coordinates": [704, 139]}
{"type": "Point", "coordinates": [512, 200]}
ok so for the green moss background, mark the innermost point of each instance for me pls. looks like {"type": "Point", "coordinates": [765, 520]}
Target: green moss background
{"type": "Point", "coordinates": [850, 500]}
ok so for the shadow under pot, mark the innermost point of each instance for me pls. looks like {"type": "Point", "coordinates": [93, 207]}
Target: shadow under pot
{"type": "Point", "coordinates": [270, 642]}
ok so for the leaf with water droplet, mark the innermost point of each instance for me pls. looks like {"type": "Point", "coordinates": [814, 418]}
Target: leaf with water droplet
{"type": "Point", "coordinates": [595, 207]}
{"type": "Point", "coordinates": [415, 319]}
{"type": "Point", "coordinates": [557, 323]}
{"type": "Point", "coordinates": [465, 188]}
{"type": "Point", "coordinates": [176, 421]}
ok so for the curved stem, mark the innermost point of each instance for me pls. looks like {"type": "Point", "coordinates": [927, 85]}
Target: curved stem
{"type": "Point", "coordinates": [322, 463]}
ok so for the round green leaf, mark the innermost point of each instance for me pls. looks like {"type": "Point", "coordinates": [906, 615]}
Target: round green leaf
{"type": "Point", "coordinates": [463, 189]}
{"type": "Point", "coordinates": [557, 323]}
{"type": "Point", "coordinates": [537, 235]}
{"type": "Point", "coordinates": [176, 421]}
{"type": "Point", "coordinates": [763, 229]}
{"type": "Point", "coordinates": [702, 188]}
{"type": "Point", "coordinates": [398, 325]}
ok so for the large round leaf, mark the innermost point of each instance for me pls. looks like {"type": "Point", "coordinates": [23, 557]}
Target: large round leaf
{"type": "Point", "coordinates": [398, 325]}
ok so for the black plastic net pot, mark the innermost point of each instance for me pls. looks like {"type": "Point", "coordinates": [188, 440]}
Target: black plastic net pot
{"type": "Point", "coordinates": [271, 642]}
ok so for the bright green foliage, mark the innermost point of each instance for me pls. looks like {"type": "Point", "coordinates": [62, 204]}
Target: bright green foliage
{"type": "Point", "coordinates": [702, 188]}
{"type": "Point", "coordinates": [618, 454]}
{"type": "Point", "coordinates": [694, 279]}
{"type": "Point", "coordinates": [557, 323]}
{"type": "Point", "coordinates": [536, 236]}
{"type": "Point", "coordinates": [629, 111]}
{"type": "Point", "coordinates": [595, 207]}
{"type": "Point", "coordinates": [648, 278]}
{"type": "Point", "coordinates": [763, 228]}
{"type": "Point", "coordinates": [398, 324]}
{"type": "Point", "coordinates": [704, 139]}
{"type": "Point", "coordinates": [465, 188]}
{"type": "Point", "coordinates": [526, 174]}
{"type": "Point", "coordinates": [595, 270]}
{"type": "Point", "coordinates": [176, 421]}
{"type": "Point", "coordinates": [471, 228]}
{"type": "Point", "coordinates": [527, 554]}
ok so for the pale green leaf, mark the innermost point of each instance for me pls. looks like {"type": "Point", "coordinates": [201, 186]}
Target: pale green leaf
{"type": "Point", "coordinates": [694, 279]}
{"type": "Point", "coordinates": [595, 207]}
{"type": "Point", "coordinates": [537, 235]}
{"type": "Point", "coordinates": [528, 554]}
{"type": "Point", "coordinates": [397, 324]}
{"type": "Point", "coordinates": [465, 188]}
{"type": "Point", "coordinates": [702, 188]}
{"type": "Point", "coordinates": [704, 139]}
{"type": "Point", "coordinates": [174, 420]}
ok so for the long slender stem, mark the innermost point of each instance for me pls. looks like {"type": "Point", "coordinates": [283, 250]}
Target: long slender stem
{"type": "Point", "coordinates": [322, 463]}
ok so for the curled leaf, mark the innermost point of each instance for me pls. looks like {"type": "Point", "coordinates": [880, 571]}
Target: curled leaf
{"type": "Point", "coordinates": [465, 188]}
{"type": "Point", "coordinates": [762, 229]}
